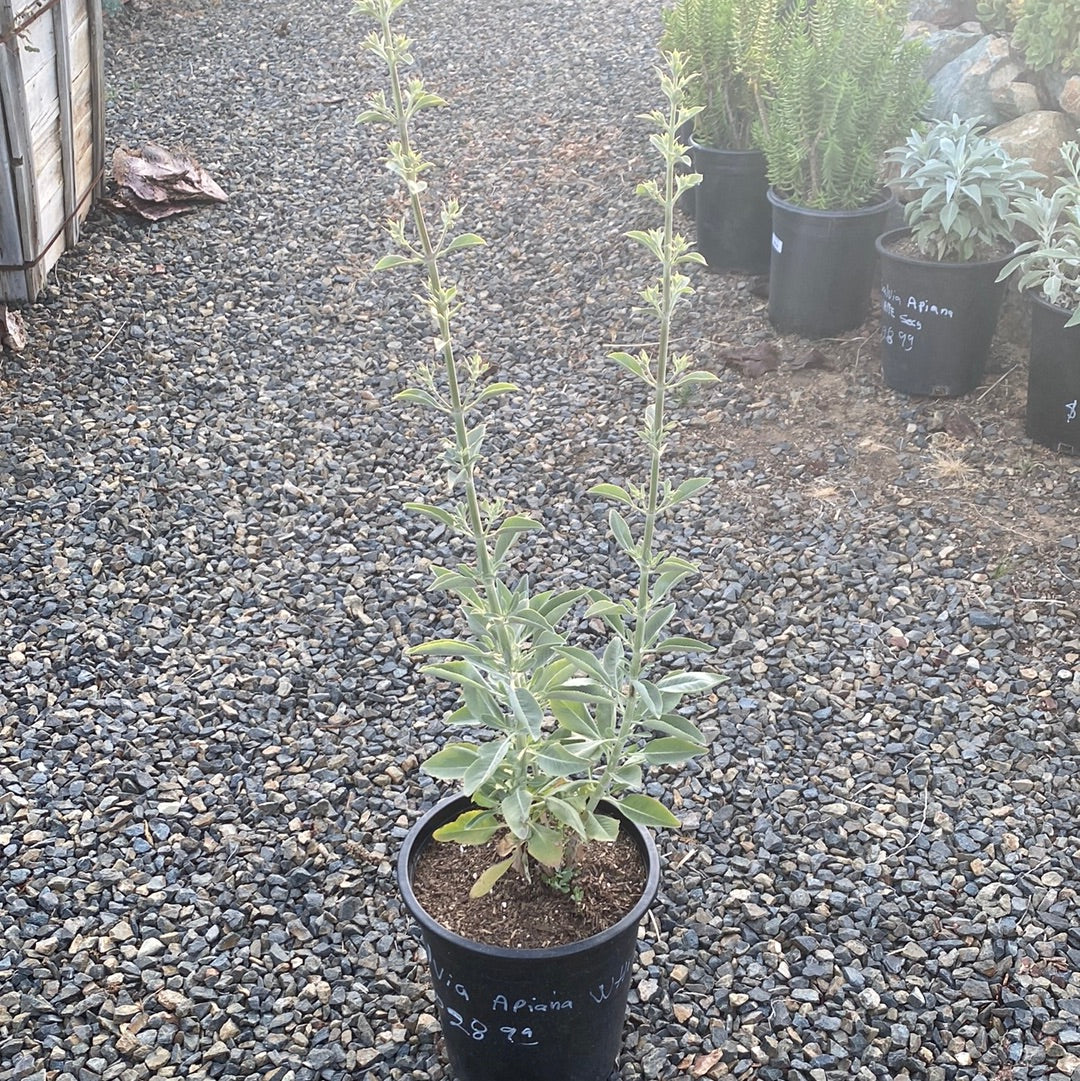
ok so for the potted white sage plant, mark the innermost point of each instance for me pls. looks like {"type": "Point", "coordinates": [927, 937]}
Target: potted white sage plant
{"type": "Point", "coordinates": [558, 734]}
{"type": "Point", "coordinates": [939, 297]}
{"type": "Point", "coordinates": [1048, 271]}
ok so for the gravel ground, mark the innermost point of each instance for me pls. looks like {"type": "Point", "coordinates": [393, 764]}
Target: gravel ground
{"type": "Point", "coordinates": [209, 735]}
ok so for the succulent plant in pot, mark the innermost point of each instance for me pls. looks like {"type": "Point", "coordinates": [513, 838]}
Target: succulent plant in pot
{"type": "Point", "coordinates": [1047, 267]}
{"type": "Point", "coordinates": [939, 294]}
{"type": "Point", "coordinates": [722, 41]}
{"type": "Point", "coordinates": [559, 732]}
{"type": "Point", "coordinates": [841, 85]}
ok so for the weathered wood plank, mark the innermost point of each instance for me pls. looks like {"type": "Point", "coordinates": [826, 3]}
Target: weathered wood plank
{"type": "Point", "coordinates": [61, 32]}
{"type": "Point", "coordinates": [52, 145]}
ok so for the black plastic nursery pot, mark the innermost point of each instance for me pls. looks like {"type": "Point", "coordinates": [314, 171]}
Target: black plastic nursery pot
{"type": "Point", "coordinates": [688, 200]}
{"type": "Point", "coordinates": [1053, 399]}
{"type": "Point", "coordinates": [528, 1015]}
{"type": "Point", "coordinates": [937, 319]}
{"type": "Point", "coordinates": [733, 216]}
{"type": "Point", "coordinates": [822, 265]}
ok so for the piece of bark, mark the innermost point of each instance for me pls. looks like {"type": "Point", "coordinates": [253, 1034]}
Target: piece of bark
{"type": "Point", "coordinates": [156, 183]}
{"type": "Point", "coordinates": [753, 362]}
{"type": "Point", "coordinates": [812, 358]}
{"type": "Point", "coordinates": [12, 330]}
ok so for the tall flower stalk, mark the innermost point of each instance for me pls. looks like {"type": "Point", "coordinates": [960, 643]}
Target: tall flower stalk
{"type": "Point", "coordinates": [569, 730]}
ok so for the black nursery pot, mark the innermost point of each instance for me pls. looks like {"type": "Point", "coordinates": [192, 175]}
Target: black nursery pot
{"type": "Point", "coordinates": [687, 203]}
{"type": "Point", "coordinates": [528, 1015]}
{"type": "Point", "coordinates": [1053, 399]}
{"type": "Point", "coordinates": [822, 266]}
{"type": "Point", "coordinates": [937, 320]}
{"type": "Point", "coordinates": [733, 216]}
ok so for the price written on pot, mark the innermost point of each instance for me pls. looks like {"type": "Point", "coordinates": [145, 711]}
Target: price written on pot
{"type": "Point", "coordinates": [903, 317]}
{"type": "Point", "coordinates": [471, 1016]}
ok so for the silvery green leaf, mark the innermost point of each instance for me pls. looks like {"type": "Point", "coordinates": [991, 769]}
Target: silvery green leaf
{"type": "Point", "coordinates": [486, 882]}
{"type": "Point", "coordinates": [645, 811]}
{"type": "Point", "coordinates": [679, 643]}
{"type": "Point", "coordinates": [586, 662]}
{"type": "Point", "coordinates": [470, 828]}
{"type": "Point", "coordinates": [526, 710]}
{"type": "Point", "coordinates": [688, 488]}
{"type": "Point", "coordinates": [546, 845]}
{"type": "Point", "coordinates": [421, 397]}
{"type": "Point", "coordinates": [388, 262]}
{"type": "Point", "coordinates": [670, 751]}
{"type": "Point", "coordinates": [438, 513]}
{"type": "Point", "coordinates": [557, 761]}
{"type": "Point", "coordinates": [575, 718]}
{"type": "Point", "coordinates": [612, 491]}
{"type": "Point", "coordinates": [580, 690]}
{"type": "Point", "coordinates": [688, 682]}
{"type": "Point", "coordinates": [450, 763]}
{"type": "Point", "coordinates": [650, 695]}
{"type": "Point", "coordinates": [457, 672]}
{"type": "Point", "coordinates": [628, 775]}
{"type": "Point", "coordinates": [567, 814]}
{"type": "Point", "coordinates": [494, 389]}
{"type": "Point", "coordinates": [465, 240]}
{"type": "Point", "coordinates": [656, 622]}
{"type": "Point", "coordinates": [600, 827]}
{"type": "Point", "coordinates": [675, 724]}
{"type": "Point", "coordinates": [447, 647]}
{"type": "Point", "coordinates": [515, 811]}
{"type": "Point", "coordinates": [620, 530]}
{"type": "Point", "coordinates": [488, 759]}
{"type": "Point", "coordinates": [638, 365]}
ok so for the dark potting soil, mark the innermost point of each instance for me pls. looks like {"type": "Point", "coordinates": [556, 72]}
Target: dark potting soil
{"type": "Point", "coordinates": [983, 252]}
{"type": "Point", "coordinates": [518, 914]}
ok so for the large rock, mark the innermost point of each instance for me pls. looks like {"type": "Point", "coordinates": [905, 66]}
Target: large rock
{"type": "Point", "coordinates": [1069, 98]}
{"type": "Point", "coordinates": [967, 85]}
{"type": "Point", "coordinates": [943, 45]}
{"type": "Point", "coordinates": [943, 12]}
{"type": "Point", "coordinates": [1037, 137]}
{"type": "Point", "coordinates": [1015, 99]}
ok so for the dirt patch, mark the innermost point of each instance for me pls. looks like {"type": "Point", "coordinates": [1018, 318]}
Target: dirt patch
{"type": "Point", "coordinates": [836, 436]}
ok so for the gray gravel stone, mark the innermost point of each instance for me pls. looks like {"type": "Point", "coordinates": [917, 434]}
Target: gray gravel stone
{"type": "Point", "coordinates": [209, 729]}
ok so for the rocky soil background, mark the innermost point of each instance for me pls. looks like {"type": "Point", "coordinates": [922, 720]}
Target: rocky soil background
{"type": "Point", "coordinates": [209, 733]}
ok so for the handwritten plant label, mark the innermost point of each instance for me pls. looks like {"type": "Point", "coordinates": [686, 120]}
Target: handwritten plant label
{"type": "Point", "coordinates": [494, 1015]}
{"type": "Point", "coordinates": [905, 316]}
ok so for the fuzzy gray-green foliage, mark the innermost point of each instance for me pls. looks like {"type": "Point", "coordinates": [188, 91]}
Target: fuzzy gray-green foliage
{"type": "Point", "coordinates": [965, 184]}
{"type": "Point", "coordinates": [1050, 263]}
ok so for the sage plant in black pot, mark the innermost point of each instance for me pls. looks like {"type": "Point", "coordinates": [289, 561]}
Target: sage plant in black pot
{"type": "Point", "coordinates": [1048, 271]}
{"type": "Point", "coordinates": [940, 297]}
{"type": "Point", "coordinates": [529, 884]}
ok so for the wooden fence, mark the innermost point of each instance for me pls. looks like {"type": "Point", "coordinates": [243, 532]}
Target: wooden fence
{"type": "Point", "coordinates": [52, 134]}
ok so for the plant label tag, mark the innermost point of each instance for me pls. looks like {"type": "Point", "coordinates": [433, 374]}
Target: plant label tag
{"type": "Point", "coordinates": [777, 243]}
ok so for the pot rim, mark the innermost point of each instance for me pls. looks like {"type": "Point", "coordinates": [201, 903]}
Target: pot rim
{"type": "Point", "coordinates": [748, 152]}
{"type": "Point", "coordinates": [885, 201]}
{"type": "Point", "coordinates": [1034, 295]}
{"type": "Point", "coordinates": [410, 850]}
{"type": "Point", "coordinates": [882, 243]}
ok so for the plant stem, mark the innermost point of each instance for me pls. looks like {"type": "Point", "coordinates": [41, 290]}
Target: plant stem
{"type": "Point", "coordinates": [655, 421]}
{"type": "Point", "coordinates": [440, 306]}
